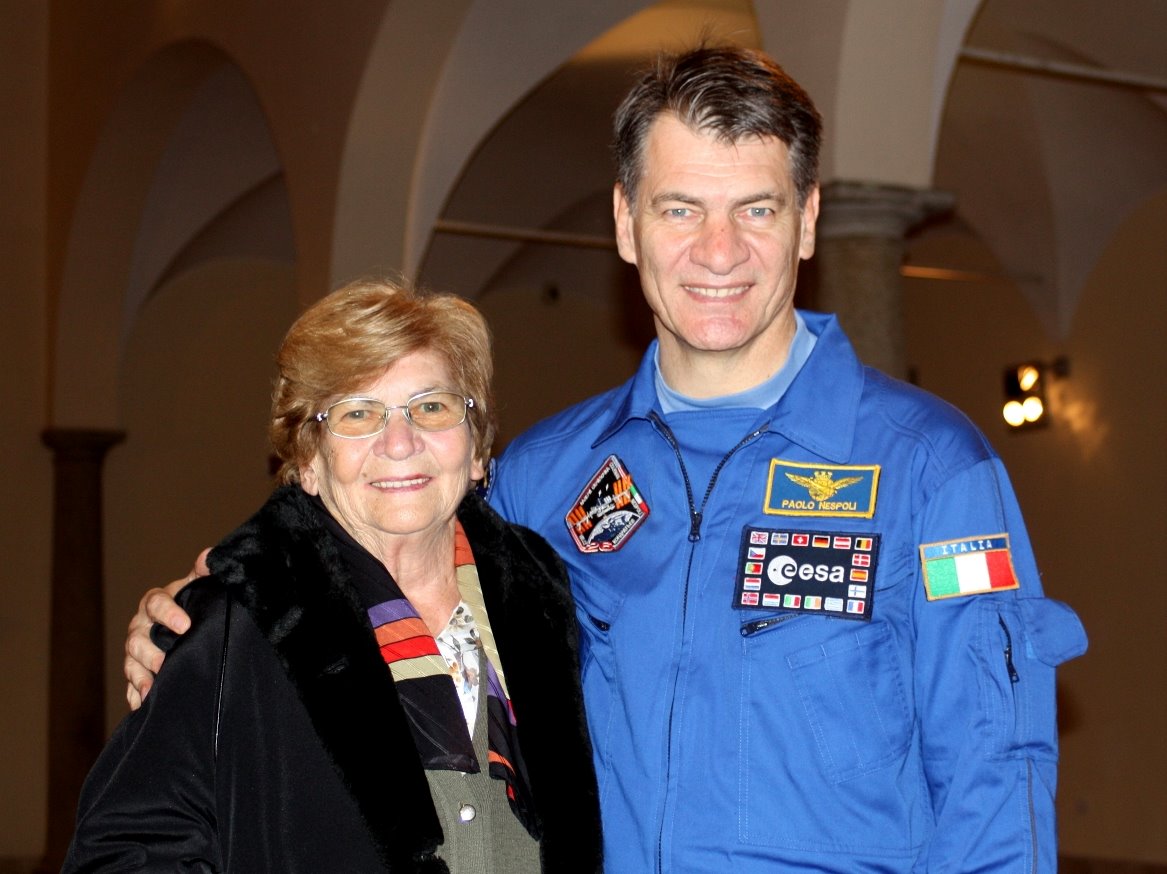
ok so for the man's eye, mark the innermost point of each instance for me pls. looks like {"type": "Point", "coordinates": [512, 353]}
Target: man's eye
{"type": "Point", "coordinates": [679, 212]}
{"type": "Point", "coordinates": [760, 212]}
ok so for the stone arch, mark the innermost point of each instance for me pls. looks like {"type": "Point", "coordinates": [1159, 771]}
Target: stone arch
{"type": "Point", "coordinates": [428, 108]}
{"type": "Point", "coordinates": [882, 109]}
{"type": "Point", "coordinates": [184, 171]}
{"type": "Point", "coordinates": [1052, 167]}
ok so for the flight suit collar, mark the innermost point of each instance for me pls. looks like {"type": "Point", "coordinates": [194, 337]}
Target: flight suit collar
{"type": "Point", "coordinates": [826, 390]}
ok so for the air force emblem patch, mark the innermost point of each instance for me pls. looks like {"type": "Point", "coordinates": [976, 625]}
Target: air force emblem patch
{"type": "Point", "coordinates": [799, 489]}
{"type": "Point", "coordinates": [607, 511]}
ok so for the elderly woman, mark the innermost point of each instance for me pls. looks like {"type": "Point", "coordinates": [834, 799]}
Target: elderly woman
{"type": "Point", "coordinates": [381, 673]}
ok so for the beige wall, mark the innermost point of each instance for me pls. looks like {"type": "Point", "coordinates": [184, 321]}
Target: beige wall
{"type": "Point", "coordinates": [194, 397]}
{"type": "Point", "coordinates": [1098, 520]}
{"type": "Point", "coordinates": [24, 463]}
{"type": "Point", "coordinates": [1091, 487]}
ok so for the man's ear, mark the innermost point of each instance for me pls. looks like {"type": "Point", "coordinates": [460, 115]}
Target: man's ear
{"type": "Point", "coordinates": [625, 234]}
{"type": "Point", "coordinates": [810, 217]}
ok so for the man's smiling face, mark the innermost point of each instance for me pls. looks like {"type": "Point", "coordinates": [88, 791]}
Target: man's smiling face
{"type": "Point", "coordinates": [717, 234]}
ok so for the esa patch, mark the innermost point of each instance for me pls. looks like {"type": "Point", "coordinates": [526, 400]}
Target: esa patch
{"type": "Point", "coordinates": [800, 489]}
{"type": "Point", "coordinates": [970, 566]}
{"type": "Point", "coordinates": [828, 573]}
{"type": "Point", "coordinates": [607, 511]}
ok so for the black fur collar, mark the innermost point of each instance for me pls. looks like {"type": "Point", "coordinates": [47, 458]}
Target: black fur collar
{"type": "Point", "coordinates": [284, 567]}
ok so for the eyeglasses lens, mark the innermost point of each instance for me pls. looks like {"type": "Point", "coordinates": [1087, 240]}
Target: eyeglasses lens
{"type": "Point", "coordinates": [437, 410]}
{"type": "Point", "coordinates": [363, 417]}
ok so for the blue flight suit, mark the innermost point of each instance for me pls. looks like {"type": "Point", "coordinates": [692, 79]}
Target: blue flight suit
{"type": "Point", "coordinates": [814, 636]}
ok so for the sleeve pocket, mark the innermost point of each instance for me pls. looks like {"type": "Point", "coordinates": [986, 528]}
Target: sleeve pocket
{"type": "Point", "coordinates": [1019, 646]}
{"type": "Point", "coordinates": [1053, 632]}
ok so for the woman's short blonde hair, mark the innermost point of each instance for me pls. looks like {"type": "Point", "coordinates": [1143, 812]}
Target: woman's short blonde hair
{"type": "Point", "coordinates": [349, 338]}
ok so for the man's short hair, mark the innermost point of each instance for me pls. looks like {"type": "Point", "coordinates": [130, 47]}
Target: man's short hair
{"type": "Point", "coordinates": [733, 93]}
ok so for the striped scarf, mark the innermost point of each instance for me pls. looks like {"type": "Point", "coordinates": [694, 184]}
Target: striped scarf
{"type": "Point", "coordinates": [428, 692]}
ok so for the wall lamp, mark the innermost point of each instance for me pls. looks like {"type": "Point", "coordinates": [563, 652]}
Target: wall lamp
{"type": "Point", "coordinates": [1025, 388]}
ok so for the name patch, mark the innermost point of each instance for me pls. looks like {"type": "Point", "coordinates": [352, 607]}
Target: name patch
{"type": "Point", "coordinates": [799, 489]}
{"type": "Point", "coordinates": [970, 566]}
{"type": "Point", "coordinates": [607, 511]}
{"type": "Point", "coordinates": [829, 573]}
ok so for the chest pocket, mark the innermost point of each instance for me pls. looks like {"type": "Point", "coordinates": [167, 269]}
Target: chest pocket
{"type": "Point", "coordinates": [826, 722]}
{"type": "Point", "coordinates": [853, 698]}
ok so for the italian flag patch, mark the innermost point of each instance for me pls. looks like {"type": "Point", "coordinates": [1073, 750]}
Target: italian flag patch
{"type": "Point", "coordinates": [968, 567]}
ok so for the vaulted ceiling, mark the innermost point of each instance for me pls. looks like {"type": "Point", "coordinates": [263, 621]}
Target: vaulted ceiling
{"type": "Point", "coordinates": [1054, 130]}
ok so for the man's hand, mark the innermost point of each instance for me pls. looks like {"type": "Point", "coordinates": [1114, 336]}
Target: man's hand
{"type": "Point", "coordinates": [143, 658]}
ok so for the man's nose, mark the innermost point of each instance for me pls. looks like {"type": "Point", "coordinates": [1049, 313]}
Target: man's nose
{"type": "Point", "coordinates": [719, 246]}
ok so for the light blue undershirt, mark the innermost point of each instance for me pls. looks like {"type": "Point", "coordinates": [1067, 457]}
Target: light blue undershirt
{"type": "Point", "coordinates": [760, 397]}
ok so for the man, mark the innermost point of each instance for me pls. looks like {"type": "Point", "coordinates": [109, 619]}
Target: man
{"type": "Point", "coordinates": [814, 637]}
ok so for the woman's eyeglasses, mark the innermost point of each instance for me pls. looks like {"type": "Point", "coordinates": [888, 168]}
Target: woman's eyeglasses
{"type": "Point", "coordinates": [364, 417]}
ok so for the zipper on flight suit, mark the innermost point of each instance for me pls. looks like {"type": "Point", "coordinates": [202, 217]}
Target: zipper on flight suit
{"type": "Point", "coordinates": [758, 625]}
{"type": "Point", "coordinates": [696, 514]}
{"type": "Point", "coordinates": [1014, 677]}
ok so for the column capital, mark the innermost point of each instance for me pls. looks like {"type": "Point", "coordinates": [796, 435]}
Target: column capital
{"type": "Point", "coordinates": [862, 209]}
{"type": "Point", "coordinates": [81, 441]}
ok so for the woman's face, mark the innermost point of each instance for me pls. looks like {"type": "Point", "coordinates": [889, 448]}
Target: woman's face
{"type": "Point", "coordinates": [402, 484]}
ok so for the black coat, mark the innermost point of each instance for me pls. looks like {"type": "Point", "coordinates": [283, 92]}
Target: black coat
{"type": "Point", "coordinates": [273, 739]}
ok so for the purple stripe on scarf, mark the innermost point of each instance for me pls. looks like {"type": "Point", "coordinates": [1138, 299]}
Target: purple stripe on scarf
{"type": "Point", "coordinates": [391, 611]}
{"type": "Point", "coordinates": [494, 687]}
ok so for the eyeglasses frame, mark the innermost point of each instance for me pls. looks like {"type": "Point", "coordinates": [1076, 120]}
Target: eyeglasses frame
{"type": "Point", "coordinates": [466, 400]}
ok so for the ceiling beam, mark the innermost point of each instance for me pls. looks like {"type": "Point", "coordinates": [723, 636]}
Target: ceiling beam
{"type": "Point", "coordinates": [1063, 70]}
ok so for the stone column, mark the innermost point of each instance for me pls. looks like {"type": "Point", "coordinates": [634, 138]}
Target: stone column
{"type": "Point", "coordinates": [77, 639]}
{"type": "Point", "coordinates": [859, 250]}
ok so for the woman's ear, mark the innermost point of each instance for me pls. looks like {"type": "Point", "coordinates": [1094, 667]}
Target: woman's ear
{"type": "Point", "coordinates": [477, 468]}
{"type": "Point", "coordinates": [309, 481]}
